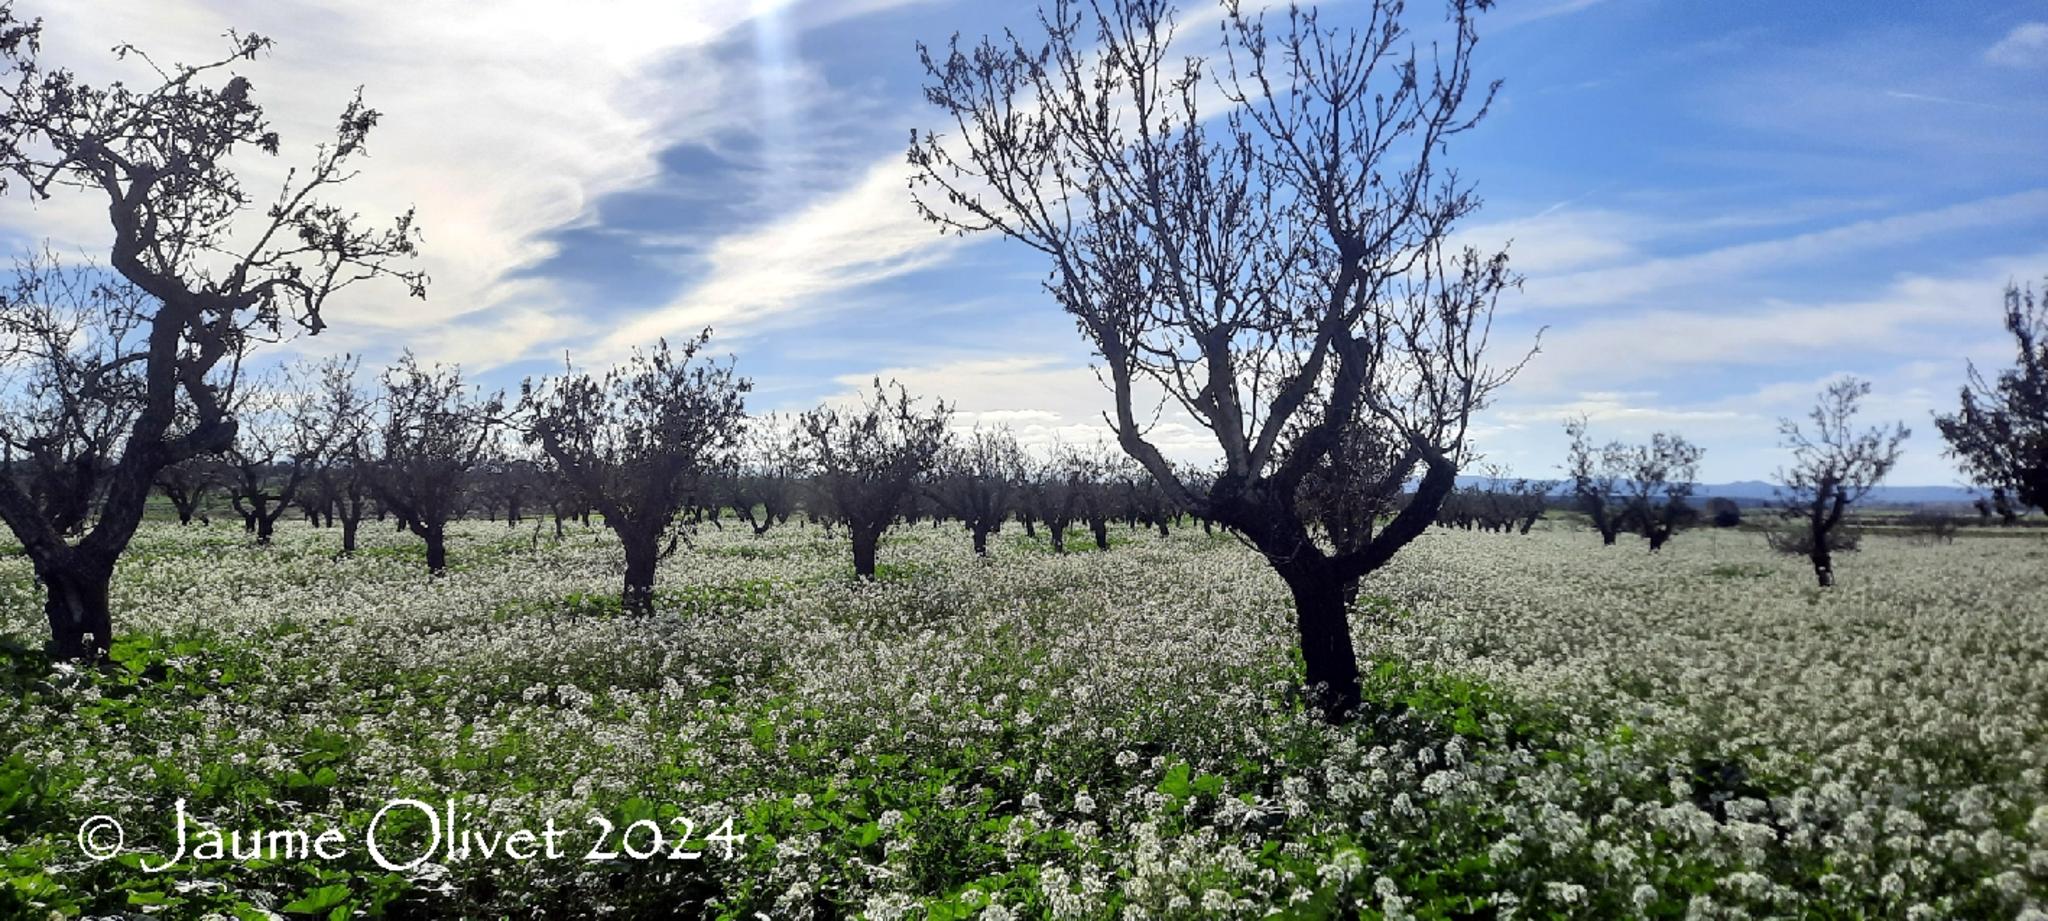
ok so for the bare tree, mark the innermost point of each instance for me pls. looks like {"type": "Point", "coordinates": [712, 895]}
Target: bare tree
{"type": "Point", "coordinates": [436, 429]}
{"type": "Point", "coordinates": [287, 426]}
{"type": "Point", "coordinates": [637, 443]}
{"type": "Point", "coordinates": [1833, 467]}
{"type": "Point", "coordinates": [1279, 268]}
{"type": "Point", "coordinates": [1499, 503]}
{"type": "Point", "coordinates": [2000, 434]}
{"type": "Point", "coordinates": [347, 471]}
{"type": "Point", "coordinates": [69, 399]}
{"type": "Point", "coordinates": [1052, 491]}
{"type": "Point", "coordinates": [768, 475]}
{"type": "Point", "coordinates": [218, 273]}
{"type": "Point", "coordinates": [1530, 499]}
{"type": "Point", "coordinates": [867, 460]}
{"type": "Point", "coordinates": [1597, 476]}
{"type": "Point", "coordinates": [978, 481]}
{"type": "Point", "coordinates": [1661, 478]}
{"type": "Point", "coordinates": [1093, 474]}
{"type": "Point", "coordinates": [508, 483]}
{"type": "Point", "coordinates": [188, 483]}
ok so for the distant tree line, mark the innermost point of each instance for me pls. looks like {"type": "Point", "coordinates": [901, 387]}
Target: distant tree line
{"type": "Point", "coordinates": [1284, 274]}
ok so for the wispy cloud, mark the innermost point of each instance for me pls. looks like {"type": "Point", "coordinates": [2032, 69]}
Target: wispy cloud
{"type": "Point", "coordinates": [863, 234]}
{"type": "Point", "coordinates": [1531, 12]}
{"type": "Point", "coordinates": [1044, 399]}
{"type": "Point", "coordinates": [1638, 280]}
{"type": "Point", "coordinates": [2025, 46]}
{"type": "Point", "coordinates": [502, 121]}
{"type": "Point", "coordinates": [1944, 100]}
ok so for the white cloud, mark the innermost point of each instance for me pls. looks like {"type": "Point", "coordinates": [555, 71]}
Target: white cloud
{"type": "Point", "coordinates": [1913, 314]}
{"type": "Point", "coordinates": [1561, 238]}
{"type": "Point", "coordinates": [1638, 280]}
{"type": "Point", "coordinates": [863, 234]}
{"type": "Point", "coordinates": [502, 121]}
{"type": "Point", "coordinates": [2025, 46]}
{"type": "Point", "coordinates": [1530, 12]}
{"type": "Point", "coordinates": [1043, 399]}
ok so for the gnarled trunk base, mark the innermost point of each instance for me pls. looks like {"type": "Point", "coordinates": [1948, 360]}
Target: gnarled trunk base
{"type": "Point", "coordinates": [1330, 663]}
{"type": "Point", "coordinates": [81, 624]}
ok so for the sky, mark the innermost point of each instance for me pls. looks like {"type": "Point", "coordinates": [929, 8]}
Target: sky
{"type": "Point", "coordinates": [1718, 207]}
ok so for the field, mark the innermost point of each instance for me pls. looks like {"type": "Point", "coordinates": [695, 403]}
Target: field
{"type": "Point", "coordinates": [1556, 730]}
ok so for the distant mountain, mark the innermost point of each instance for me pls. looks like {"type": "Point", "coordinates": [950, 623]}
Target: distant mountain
{"type": "Point", "coordinates": [1753, 491]}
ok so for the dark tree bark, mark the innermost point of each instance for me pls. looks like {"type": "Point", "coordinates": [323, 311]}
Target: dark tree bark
{"type": "Point", "coordinates": [76, 605]}
{"type": "Point", "coordinates": [866, 541]}
{"type": "Point", "coordinates": [643, 554]}
{"type": "Point", "coordinates": [436, 538]}
{"type": "Point", "coordinates": [1324, 627]}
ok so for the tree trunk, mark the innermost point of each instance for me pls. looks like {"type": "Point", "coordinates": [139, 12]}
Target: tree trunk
{"type": "Point", "coordinates": [1059, 536]}
{"type": "Point", "coordinates": [1162, 527]}
{"type": "Point", "coordinates": [1100, 528]}
{"type": "Point", "coordinates": [1030, 529]}
{"type": "Point", "coordinates": [348, 534]}
{"type": "Point", "coordinates": [865, 543]}
{"type": "Point", "coordinates": [1330, 663]}
{"type": "Point", "coordinates": [643, 551]}
{"type": "Point", "coordinates": [266, 524]}
{"type": "Point", "coordinates": [1823, 563]}
{"type": "Point", "coordinates": [76, 605]}
{"type": "Point", "coordinates": [1607, 537]}
{"type": "Point", "coordinates": [1657, 538]}
{"type": "Point", "coordinates": [436, 537]}
{"type": "Point", "coordinates": [980, 542]}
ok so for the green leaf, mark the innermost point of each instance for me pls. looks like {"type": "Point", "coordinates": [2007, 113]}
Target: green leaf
{"type": "Point", "coordinates": [318, 900]}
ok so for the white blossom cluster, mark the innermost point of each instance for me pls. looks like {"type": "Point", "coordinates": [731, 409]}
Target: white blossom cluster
{"type": "Point", "coordinates": [1697, 728]}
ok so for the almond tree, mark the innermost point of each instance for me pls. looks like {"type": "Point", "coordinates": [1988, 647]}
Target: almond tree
{"type": "Point", "coordinates": [288, 427]}
{"type": "Point", "coordinates": [866, 460]}
{"type": "Point", "coordinates": [1597, 476]}
{"type": "Point", "coordinates": [769, 474]}
{"type": "Point", "coordinates": [2000, 434]}
{"type": "Point", "coordinates": [1052, 491]}
{"type": "Point", "coordinates": [187, 484]}
{"type": "Point", "coordinates": [1279, 266]}
{"type": "Point", "coordinates": [1094, 475]}
{"type": "Point", "coordinates": [637, 442]}
{"type": "Point", "coordinates": [1833, 467]}
{"type": "Point", "coordinates": [978, 481]}
{"type": "Point", "coordinates": [1661, 477]}
{"type": "Point", "coordinates": [345, 476]}
{"type": "Point", "coordinates": [217, 273]}
{"type": "Point", "coordinates": [436, 429]}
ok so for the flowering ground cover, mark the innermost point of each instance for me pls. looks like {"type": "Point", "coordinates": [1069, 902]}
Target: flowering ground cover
{"type": "Point", "coordinates": [1554, 730]}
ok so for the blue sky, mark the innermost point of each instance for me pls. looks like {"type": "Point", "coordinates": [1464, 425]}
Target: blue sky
{"type": "Point", "coordinates": [1718, 206]}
